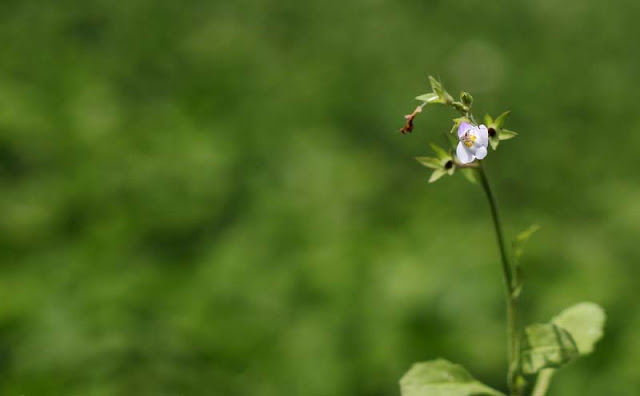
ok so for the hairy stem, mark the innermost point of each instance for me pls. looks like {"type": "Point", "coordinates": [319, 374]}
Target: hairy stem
{"type": "Point", "coordinates": [511, 284]}
{"type": "Point", "coordinates": [543, 382]}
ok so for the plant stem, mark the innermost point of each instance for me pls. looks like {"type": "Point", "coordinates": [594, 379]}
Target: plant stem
{"type": "Point", "coordinates": [542, 383]}
{"type": "Point", "coordinates": [511, 285]}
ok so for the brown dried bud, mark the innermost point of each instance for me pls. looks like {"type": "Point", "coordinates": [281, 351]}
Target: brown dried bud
{"type": "Point", "coordinates": [408, 126]}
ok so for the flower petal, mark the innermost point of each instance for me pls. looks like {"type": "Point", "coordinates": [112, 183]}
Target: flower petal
{"type": "Point", "coordinates": [463, 128]}
{"type": "Point", "coordinates": [483, 134]}
{"type": "Point", "coordinates": [463, 154]}
{"type": "Point", "coordinates": [481, 152]}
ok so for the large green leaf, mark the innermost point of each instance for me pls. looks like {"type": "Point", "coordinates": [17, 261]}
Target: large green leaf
{"type": "Point", "coordinates": [546, 345]}
{"type": "Point", "coordinates": [585, 322]}
{"type": "Point", "coordinates": [442, 378]}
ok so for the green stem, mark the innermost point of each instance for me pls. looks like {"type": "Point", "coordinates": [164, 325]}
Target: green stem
{"type": "Point", "coordinates": [511, 284]}
{"type": "Point", "coordinates": [543, 382]}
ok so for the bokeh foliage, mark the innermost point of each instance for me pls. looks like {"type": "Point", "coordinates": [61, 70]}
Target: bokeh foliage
{"type": "Point", "coordinates": [212, 197]}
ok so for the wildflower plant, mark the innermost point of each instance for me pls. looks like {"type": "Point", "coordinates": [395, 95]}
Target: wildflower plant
{"type": "Point", "coordinates": [536, 351]}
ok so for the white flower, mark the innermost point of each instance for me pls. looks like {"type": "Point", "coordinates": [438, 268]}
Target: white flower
{"type": "Point", "coordinates": [473, 142]}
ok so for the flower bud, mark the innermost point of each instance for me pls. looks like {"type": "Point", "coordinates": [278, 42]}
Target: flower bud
{"type": "Point", "coordinates": [460, 107]}
{"type": "Point", "coordinates": [466, 98]}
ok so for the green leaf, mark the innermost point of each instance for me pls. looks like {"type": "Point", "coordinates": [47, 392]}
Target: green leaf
{"type": "Point", "coordinates": [522, 238]}
{"type": "Point", "coordinates": [470, 175]}
{"type": "Point", "coordinates": [442, 378]}
{"type": "Point", "coordinates": [585, 322]}
{"type": "Point", "coordinates": [430, 162]}
{"type": "Point", "coordinates": [438, 173]}
{"type": "Point", "coordinates": [488, 120]}
{"type": "Point", "coordinates": [545, 345]}
{"type": "Point", "coordinates": [430, 98]}
{"type": "Point", "coordinates": [498, 122]}
{"type": "Point", "coordinates": [506, 134]}
{"type": "Point", "coordinates": [440, 152]}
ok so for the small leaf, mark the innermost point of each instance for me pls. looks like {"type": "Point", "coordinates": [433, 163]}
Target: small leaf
{"type": "Point", "coordinates": [470, 175]}
{"type": "Point", "coordinates": [522, 238]}
{"type": "Point", "coordinates": [546, 345]}
{"type": "Point", "coordinates": [442, 378]}
{"type": "Point", "coordinates": [585, 322]}
{"type": "Point", "coordinates": [430, 162]}
{"type": "Point", "coordinates": [506, 134]}
{"type": "Point", "coordinates": [440, 152]}
{"type": "Point", "coordinates": [438, 173]}
{"type": "Point", "coordinates": [430, 98]}
{"type": "Point", "coordinates": [487, 119]}
{"type": "Point", "coordinates": [517, 289]}
{"type": "Point", "coordinates": [501, 119]}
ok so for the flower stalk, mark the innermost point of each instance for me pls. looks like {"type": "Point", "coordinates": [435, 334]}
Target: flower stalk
{"type": "Point", "coordinates": [511, 287]}
{"type": "Point", "coordinates": [543, 382]}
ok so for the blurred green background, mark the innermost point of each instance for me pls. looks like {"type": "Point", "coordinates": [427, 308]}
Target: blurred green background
{"type": "Point", "coordinates": [212, 198]}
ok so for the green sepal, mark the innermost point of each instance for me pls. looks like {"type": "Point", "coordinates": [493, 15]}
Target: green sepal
{"type": "Point", "coordinates": [436, 86]}
{"type": "Point", "coordinates": [546, 345]}
{"type": "Point", "coordinates": [499, 122]}
{"type": "Point", "coordinates": [457, 122]}
{"type": "Point", "coordinates": [496, 124]}
{"type": "Point", "coordinates": [437, 94]}
{"type": "Point", "coordinates": [430, 162]}
{"type": "Point", "coordinates": [442, 378]}
{"type": "Point", "coordinates": [430, 98]}
{"type": "Point", "coordinates": [494, 141]}
{"type": "Point", "coordinates": [438, 173]}
{"type": "Point", "coordinates": [470, 175]}
{"type": "Point", "coordinates": [440, 152]}
{"type": "Point", "coordinates": [505, 134]}
{"type": "Point", "coordinates": [438, 163]}
{"type": "Point", "coordinates": [453, 141]}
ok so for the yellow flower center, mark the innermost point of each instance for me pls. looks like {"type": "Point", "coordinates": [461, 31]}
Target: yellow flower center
{"type": "Point", "coordinates": [468, 139]}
